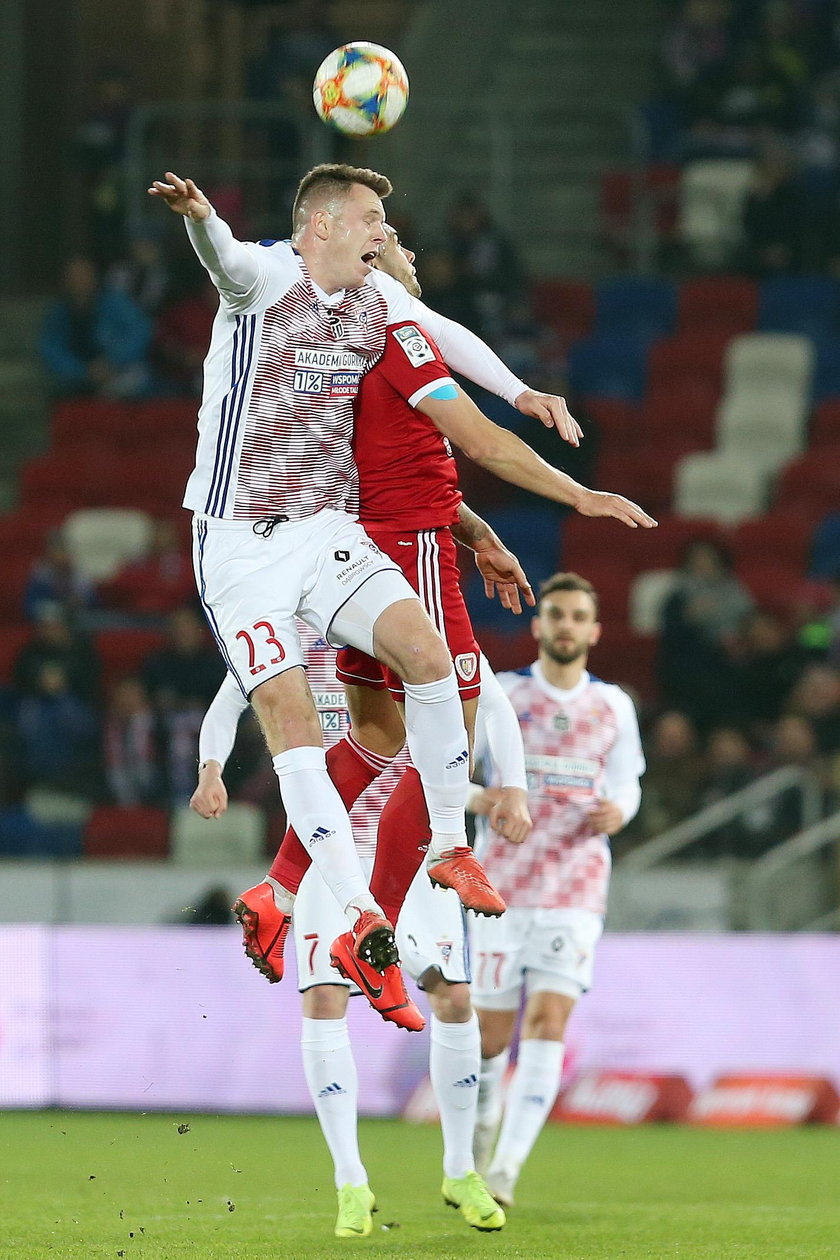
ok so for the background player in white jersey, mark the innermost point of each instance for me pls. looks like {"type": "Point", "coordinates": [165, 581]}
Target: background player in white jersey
{"type": "Point", "coordinates": [275, 493]}
{"type": "Point", "coordinates": [432, 941]}
{"type": "Point", "coordinates": [584, 758]}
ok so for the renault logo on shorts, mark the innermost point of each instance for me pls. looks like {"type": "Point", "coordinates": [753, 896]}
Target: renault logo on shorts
{"type": "Point", "coordinates": [342, 556]}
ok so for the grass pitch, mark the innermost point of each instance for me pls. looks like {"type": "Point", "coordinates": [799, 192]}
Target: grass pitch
{"type": "Point", "coordinates": [78, 1186]}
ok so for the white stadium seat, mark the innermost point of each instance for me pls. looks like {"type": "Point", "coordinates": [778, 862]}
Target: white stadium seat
{"type": "Point", "coordinates": [648, 593]}
{"type": "Point", "coordinates": [237, 838]}
{"type": "Point", "coordinates": [764, 423]}
{"type": "Point", "coordinates": [724, 487]}
{"type": "Point", "coordinates": [102, 540]}
{"type": "Point", "coordinates": [712, 196]}
{"type": "Point", "coordinates": [765, 361]}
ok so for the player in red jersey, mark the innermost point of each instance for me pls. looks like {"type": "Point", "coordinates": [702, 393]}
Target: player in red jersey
{"type": "Point", "coordinates": [411, 507]}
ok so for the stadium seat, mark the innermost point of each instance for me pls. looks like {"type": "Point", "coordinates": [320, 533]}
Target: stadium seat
{"type": "Point", "coordinates": [637, 305]}
{"type": "Point", "coordinates": [101, 540]}
{"type": "Point", "coordinates": [80, 477]}
{"type": "Point", "coordinates": [726, 304]}
{"type": "Point", "coordinates": [12, 639]}
{"type": "Point", "coordinates": [565, 305]}
{"type": "Point", "coordinates": [648, 592]}
{"type": "Point", "coordinates": [122, 652]}
{"type": "Point", "coordinates": [696, 355]}
{"type": "Point", "coordinates": [770, 427]}
{"type": "Point", "coordinates": [825, 424]}
{"type": "Point", "coordinates": [622, 656]}
{"type": "Point", "coordinates": [765, 361]}
{"type": "Point", "coordinates": [726, 487]}
{"type": "Point", "coordinates": [824, 549]}
{"type": "Point", "coordinates": [129, 832]}
{"type": "Point", "coordinates": [235, 839]}
{"type": "Point", "coordinates": [89, 420]}
{"type": "Point", "coordinates": [22, 836]}
{"type": "Point", "coordinates": [772, 586]}
{"type": "Point", "coordinates": [16, 571]}
{"type": "Point", "coordinates": [614, 366]}
{"type": "Point", "coordinates": [807, 305]}
{"type": "Point", "coordinates": [712, 196]}
{"type": "Point", "coordinates": [681, 412]}
{"type": "Point", "coordinates": [46, 805]}
{"type": "Point", "coordinates": [811, 483]}
{"type": "Point", "coordinates": [826, 378]}
{"type": "Point", "coordinates": [645, 475]}
{"type": "Point", "coordinates": [611, 576]}
{"type": "Point", "coordinates": [618, 421]}
{"type": "Point", "coordinates": [779, 537]}
{"type": "Point", "coordinates": [505, 650]}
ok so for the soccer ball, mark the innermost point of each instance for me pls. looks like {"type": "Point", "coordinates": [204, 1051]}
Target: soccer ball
{"type": "Point", "coordinates": [360, 89]}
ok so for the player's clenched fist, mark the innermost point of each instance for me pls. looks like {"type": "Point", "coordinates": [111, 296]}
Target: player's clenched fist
{"type": "Point", "coordinates": [182, 196]}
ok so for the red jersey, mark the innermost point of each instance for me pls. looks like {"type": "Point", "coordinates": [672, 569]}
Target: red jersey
{"type": "Point", "coordinates": [408, 479]}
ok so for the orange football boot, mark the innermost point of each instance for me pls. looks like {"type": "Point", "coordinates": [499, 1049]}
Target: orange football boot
{"type": "Point", "coordinates": [264, 930]}
{"type": "Point", "coordinates": [460, 869]}
{"type": "Point", "coordinates": [384, 990]}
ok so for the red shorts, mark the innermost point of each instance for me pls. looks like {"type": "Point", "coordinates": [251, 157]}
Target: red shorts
{"type": "Point", "coordinates": [428, 559]}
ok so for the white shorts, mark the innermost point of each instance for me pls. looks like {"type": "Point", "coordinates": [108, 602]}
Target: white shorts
{"type": "Point", "coordinates": [252, 587]}
{"type": "Point", "coordinates": [431, 931]}
{"type": "Point", "coordinates": [547, 951]}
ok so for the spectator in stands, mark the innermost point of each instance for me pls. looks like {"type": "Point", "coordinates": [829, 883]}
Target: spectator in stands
{"type": "Point", "coordinates": [696, 43]}
{"type": "Point", "coordinates": [730, 766]}
{"type": "Point", "coordinates": [182, 335]}
{"type": "Point", "coordinates": [816, 698]}
{"type": "Point", "coordinates": [94, 339]}
{"type": "Point", "coordinates": [767, 664]}
{"type": "Point", "coordinates": [746, 101]}
{"type": "Point", "coordinates": [142, 275]}
{"type": "Point", "coordinates": [772, 217]}
{"type": "Point", "coordinates": [700, 623]}
{"type": "Point", "coordinates": [445, 289]}
{"type": "Point", "coordinates": [793, 742]}
{"type": "Point", "coordinates": [486, 262]}
{"type": "Point", "coordinates": [56, 584]}
{"type": "Point", "coordinates": [675, 772]}
{"type": "Point", "coordinates": [99, 147]}
{"type": "Point", "coordinates": [130, 752]}
{"type": "Point", "coordinates": [55, 642]}
{"type": "Point", "coordinates": [150, 588]}
{"type": "Point", "coordinates": [59, 735]}
{"type": "Point", "coordinates": [181, 680]}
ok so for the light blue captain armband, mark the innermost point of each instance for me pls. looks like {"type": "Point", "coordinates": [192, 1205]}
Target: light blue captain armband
{"type": "Point", "coordinates": [444, 392]}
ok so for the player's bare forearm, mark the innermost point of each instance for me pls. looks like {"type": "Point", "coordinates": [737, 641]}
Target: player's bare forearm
{"type": "Point", "coordinates": [470, 530]}
{"type": "Point", "coordinates": [502, 572]}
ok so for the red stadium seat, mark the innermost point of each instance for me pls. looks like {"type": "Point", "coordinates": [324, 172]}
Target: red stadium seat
{"type": "Point", "coordinates": [722, 302]}
{"type": "Point", "coordinates": [128, 832]}
{"type": "Point", "coordinates": [618, 421]}
{"type": "Point", "coordinates": [680, 413]}
{"type": "Point", "coordinates": [811, 484]}
{"type": "Point", "coordinates": [566, 305]}
{"type": "Point", "coordinates": [773, 586]}
{"type": "Point", "coordinates": [825, 424]}
{"type": "Point", "coordinates": [12, 639]}
{"type": "Point", "coordinates": [646, 476]}
{"type": "Point", "coordinates": [83, 476]}
{"type": "Point", "coordinates": [627, 658]}
{"type": "Point", "coordinates": [696, 356]}
{"type": "Point", "coordinates": [508, 651]}
{"type": "Point", "coordinates": [782, 538]}
{"type": "Point", "coordinates": [16, 571]}
{"type": "Point", "coordinates": [122, 652]}
{"type": "Point", "coordinates": [81, 420]}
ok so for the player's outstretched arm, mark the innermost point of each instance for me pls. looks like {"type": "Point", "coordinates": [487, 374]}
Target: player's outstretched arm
{"type": "Point", "coordinates": [499, 567]}
{"type": "Point", "coordinates": [233, 268]}
{"type": "Point", "coordinates": [215, 742]}
{"type": "Point", "coordinates": [508, 457]}
{"type": "Point", "coordinates": [468, 354]}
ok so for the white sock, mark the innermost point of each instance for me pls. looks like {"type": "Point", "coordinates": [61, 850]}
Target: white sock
{"type": "Point", "coordinates": [334, 1088]}
{"type": "Point", "coordinates": [490, 1093]}
{"type": "Point", "coordinates": [437, 741]}
{"type": "Point", "coordinates": [283, 899]}
{"type": "Point", "coordinates": [533, 1089]}
{"type": "Point", "coordinates": [315, 810]}
{"type": "Point", "coordinates": [454, 1063]}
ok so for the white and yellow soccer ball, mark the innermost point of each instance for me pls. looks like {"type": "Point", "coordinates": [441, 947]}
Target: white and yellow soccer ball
{"type": "Point", "coordinates": [361, 89]}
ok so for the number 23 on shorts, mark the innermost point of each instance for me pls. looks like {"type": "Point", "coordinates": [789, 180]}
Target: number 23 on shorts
{"type": "Point", "coordinates": [264, 633]}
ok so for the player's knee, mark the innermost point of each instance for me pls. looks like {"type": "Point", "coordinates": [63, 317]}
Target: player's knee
{"type": "Point", "coordinates": [451, 1003]}
{"type": "Point", "coordinates": [426, 659]}
{"type": "Point", "coordinates": [325, 1001]}
{"type": "Point", "coordinates": [493, 1044]}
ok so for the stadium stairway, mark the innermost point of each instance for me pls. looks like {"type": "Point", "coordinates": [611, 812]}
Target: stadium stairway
{"type": "Point", "coordinates": [24, 418]}
{"type": "Point", "coordinates": [536, 154]}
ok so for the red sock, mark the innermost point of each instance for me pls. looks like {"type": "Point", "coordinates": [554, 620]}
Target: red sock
{"type": "Point", "coordinates": [401, 843]}
{"type": "Point", "coordinates": [352, 769]}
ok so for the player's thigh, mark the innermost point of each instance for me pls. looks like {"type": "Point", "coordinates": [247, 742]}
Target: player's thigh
{"type": "Point", "coordinates": [250, 587]}
{"type": "Point", "coordinates": [497, 947]}
{"type": "Point", "coordinates": [351, 585]}
{"type": "Point", "coordinates": [560, 956]}
{"type": "Point", "coordinates": [316, 922]}
{"type": "Point", "coordinates": [432, 932]}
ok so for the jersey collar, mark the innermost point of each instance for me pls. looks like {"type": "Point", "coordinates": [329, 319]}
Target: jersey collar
{"type": "Point", "coordinates": [555, 692]}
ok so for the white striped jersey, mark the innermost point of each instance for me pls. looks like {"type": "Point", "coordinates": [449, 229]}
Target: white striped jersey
{"type": "Point", "coordinates": [280, 378]}
{"type": "Point", "coordinates": [580, 745]}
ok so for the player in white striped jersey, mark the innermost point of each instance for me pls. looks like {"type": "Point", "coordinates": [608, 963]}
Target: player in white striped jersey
{"type": "Point", "coordinates": [584, 759]}
{"type": "Point", "coordinates": [275, 494]}
{"type": "Point", "coordinates": [432, 939]}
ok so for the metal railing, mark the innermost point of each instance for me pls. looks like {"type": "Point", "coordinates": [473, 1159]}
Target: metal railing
{"type": "Point", "coordinates": [679, 838]}
{"type": "Point", "coordinates": [774, 900]}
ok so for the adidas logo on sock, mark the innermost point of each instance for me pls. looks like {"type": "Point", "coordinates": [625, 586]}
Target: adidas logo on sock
{"type": "Point", "coordinates": [321, 833]}
{"type": "Point", "coordinates": [459, 760]}
{"type": "Point", "coordinates": [467, 1082]}
{"type": "Point", "coordinates": [537, 1099]}
{"type": "Point", "coordinates": [335, 1088]}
